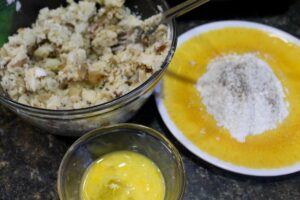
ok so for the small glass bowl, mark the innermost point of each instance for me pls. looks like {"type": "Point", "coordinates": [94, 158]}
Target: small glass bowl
{"type": "Point", "coordinates": [118, 137]}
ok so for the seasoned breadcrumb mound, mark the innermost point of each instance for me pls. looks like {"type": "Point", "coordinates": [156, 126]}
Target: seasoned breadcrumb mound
{"type": "Point", "coordinates": [66, 60]}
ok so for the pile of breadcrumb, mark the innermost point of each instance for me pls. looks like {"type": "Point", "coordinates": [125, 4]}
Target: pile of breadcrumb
{"type": "Point", "coordinates": [243, 94]}
{"type": "Point", "coordinates": [67, 59]}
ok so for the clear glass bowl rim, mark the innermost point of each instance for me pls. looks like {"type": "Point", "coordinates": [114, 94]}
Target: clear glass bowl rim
{"type": "Point", "coordinates": [105, 130]}
{"type": "Point", "coordinates": [110, 104]}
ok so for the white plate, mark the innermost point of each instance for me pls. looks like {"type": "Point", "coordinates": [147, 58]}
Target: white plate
{"type": "Point", "coordinates": [187, 143]}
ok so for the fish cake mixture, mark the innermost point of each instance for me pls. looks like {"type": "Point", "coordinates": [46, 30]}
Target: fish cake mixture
{"type": "Point", "coordinates": [67, 59]}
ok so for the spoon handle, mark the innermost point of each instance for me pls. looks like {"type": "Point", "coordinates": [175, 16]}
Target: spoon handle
{"type": "Point", "coordinates": [182, 9]}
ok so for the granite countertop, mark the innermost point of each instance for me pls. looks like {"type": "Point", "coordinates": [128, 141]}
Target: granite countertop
{"type": "Point", "coordinates": [29, 157]}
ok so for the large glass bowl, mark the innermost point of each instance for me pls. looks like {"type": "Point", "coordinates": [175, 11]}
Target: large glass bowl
{"type": "Point", "coordinates": [76, 122]}
{"type": "Point", "coordinates": [130, 137]}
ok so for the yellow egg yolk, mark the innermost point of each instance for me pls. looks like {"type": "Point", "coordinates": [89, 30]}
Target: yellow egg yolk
{"type": "Point", "coordinates": [123, 175]}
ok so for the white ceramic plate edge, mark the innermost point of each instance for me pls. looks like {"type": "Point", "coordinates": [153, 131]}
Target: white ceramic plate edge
{"type": "Point", "coordinates": [187, 143]}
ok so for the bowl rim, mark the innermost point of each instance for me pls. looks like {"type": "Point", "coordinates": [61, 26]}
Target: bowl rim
{"type": "Point", "coordinates": [132, 126]}
{"type": "Point", "coordinates": [131, 95]}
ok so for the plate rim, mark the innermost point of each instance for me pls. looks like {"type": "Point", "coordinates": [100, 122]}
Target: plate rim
{"type": "Point", "coordinates": [263, 172]}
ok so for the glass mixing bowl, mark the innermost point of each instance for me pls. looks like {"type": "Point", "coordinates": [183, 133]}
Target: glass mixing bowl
{"type": "Point", "coordinates": [118, 137]}
{"type": "Point", "coordinates": [76, 122]}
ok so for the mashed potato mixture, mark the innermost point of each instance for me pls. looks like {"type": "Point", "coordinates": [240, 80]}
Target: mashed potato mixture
{"type": "Point", "coordinates": [67, 59]}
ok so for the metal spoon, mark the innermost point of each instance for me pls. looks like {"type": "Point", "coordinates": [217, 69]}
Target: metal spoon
{"type": "Point", "coordinates": [164, 17]}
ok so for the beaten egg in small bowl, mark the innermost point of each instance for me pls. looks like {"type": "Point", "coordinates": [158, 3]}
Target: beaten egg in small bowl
{"type": "Point", "coordinates": [120, 162]}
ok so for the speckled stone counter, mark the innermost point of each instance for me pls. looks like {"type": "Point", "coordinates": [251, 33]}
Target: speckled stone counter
{"type": "Point", "coordinates": [29, 157]}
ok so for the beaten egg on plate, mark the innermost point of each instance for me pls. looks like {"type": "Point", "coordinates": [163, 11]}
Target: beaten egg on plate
{"type": "Point", "coordinates": [182, 108]}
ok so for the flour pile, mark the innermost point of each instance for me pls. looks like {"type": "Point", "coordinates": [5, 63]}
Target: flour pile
{"type": "Point", "coordinates": [243, 95]}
